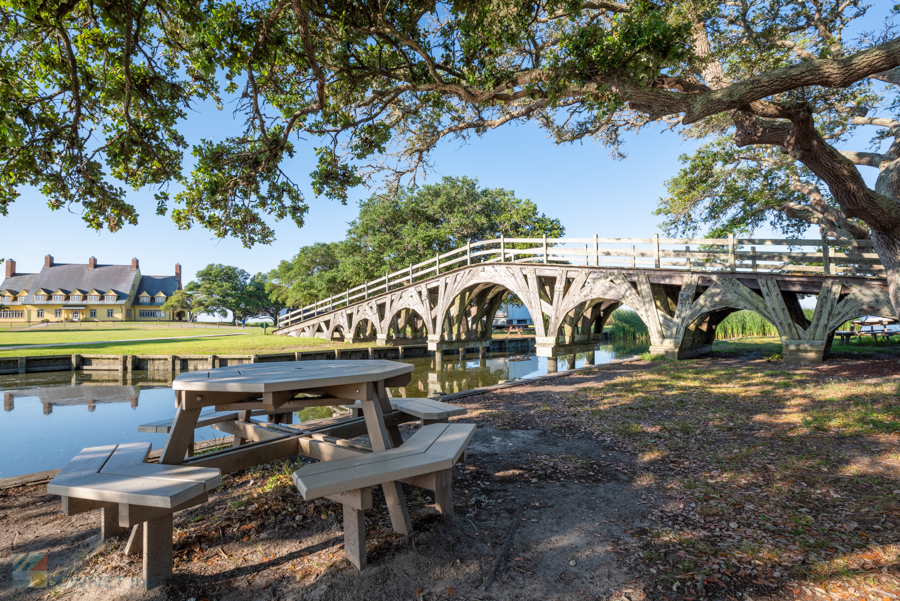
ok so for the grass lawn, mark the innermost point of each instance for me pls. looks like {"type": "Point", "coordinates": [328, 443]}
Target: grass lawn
{"type": "Point", "coordinates": [762, 475]}
{"type": "Point", "coordinates": [770, 347]}
{"type": "Point", "coordinates": [249, 341]}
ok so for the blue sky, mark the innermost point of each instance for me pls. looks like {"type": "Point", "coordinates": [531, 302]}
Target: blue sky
{"type": "Point", "coordinates": [579, 184]}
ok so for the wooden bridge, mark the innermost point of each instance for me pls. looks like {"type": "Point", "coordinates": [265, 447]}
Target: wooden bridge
{"type": "Point", "coordinates": [681, 288]}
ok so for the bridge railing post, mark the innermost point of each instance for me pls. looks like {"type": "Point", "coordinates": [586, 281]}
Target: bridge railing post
{"type": "Point", "coordinates": [732, 265]}
{"type": "Point", "coordinates": [753, 258]}
{"type": "Point", "coordinates": [468, 252]}
{"type": "Point", "coordinates": [690, 264]}
{"type": "Point", "coordinates": [587, 261]}
{"type": "Point", "coordinates": [596, 252]}
{"type": "Point", "coordinates": [656, 251]}
{"type": "Point", "coordinates": [633, 258]}
{"type": "Point", "coordinates": [366, 290]}
{"type": "Point", "coordinates": [826, 259]}
{"type": "Point", "coordinates": [437, 264]}
{"type": "Point", "coordinates": [410, 274]}
{"type": "Point", "coordinates": [502, 248]}
{"type": "Point", "coordinates": [545, 250]}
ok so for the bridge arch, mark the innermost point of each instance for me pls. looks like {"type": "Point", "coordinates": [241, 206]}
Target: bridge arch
{"type": "Point", "coordinates": [364, 329]}
{"type": "Point", "coordinates": [570, 305]}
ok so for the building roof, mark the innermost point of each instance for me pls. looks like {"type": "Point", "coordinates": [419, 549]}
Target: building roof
{"type": "Point", "coordinates": [60, 276]}
{"type": "Point", "coordinates": [154, 284]}
{"type": "Point", "coordinates": [19, 282]}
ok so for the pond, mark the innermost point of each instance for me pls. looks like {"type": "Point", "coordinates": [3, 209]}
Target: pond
{"type": "Point", "coordinates": [48, 418]}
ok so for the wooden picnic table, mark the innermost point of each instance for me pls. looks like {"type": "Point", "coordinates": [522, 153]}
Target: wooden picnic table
{"type": "Point", "coordinates": [274, 388]}
{"type": "Point", "coordinates": [857, 324]}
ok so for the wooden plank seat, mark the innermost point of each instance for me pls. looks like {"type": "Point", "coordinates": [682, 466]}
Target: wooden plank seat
{"type": "Point", "coordinates": [846, 335]}
{"type": "Point", "coordinates": [429, 411]}
{"type": "Point", "coordinates": [426, 459]}
{"type": "Point", "coordinates": [128, 491]}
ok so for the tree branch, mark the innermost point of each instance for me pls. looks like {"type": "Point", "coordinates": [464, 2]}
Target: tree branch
{"type": "Point", "coordinates": [868, 159]}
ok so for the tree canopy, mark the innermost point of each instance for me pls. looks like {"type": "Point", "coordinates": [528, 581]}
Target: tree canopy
{"type": "Point", "coordinates": [221, 289]}
{"type": "Point", "coordinates": [91, 91]}
{"type": "Point", "coordinates": [394, 231]}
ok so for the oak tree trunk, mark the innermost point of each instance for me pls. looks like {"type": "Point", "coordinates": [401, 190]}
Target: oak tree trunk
{"type": "Point", "coordinates": [887, 239]}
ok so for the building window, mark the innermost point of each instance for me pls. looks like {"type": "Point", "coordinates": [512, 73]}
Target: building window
{"type": "Point", "coordinates": [12, 314]}
{"type": "Point", "coordinates": [40, 313]}
{"type": "Point", "coordinates": [75, 297]}
{"type": "Point", "coordinates": [109, 312]}
{"type": "Point", "coordinates": [110, 298]}
{"type": "Point", "coordinates": [59, 297]}
{"type": "Point", "coordinates": [40, 297]}
{"type": "Point", "coordinates": [144, 300]}
{"type": "Point", "coordinates": [7, 299]}
{"type": "Point", "coordinates": [160, 300]}
{"type": "Point", "coordinates": [128, 313]}
{"type": "Point", "coordinates": [57, 313]}
{"type": "Point", "coordinates": [93, 312]}
{"type": "Point", "coordinates": [93, 297]}
{"type": "Point", "coordinates": [151, 313]}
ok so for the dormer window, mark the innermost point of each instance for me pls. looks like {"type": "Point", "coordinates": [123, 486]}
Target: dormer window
{"type": "Point", "coordinates": [160, 300]}
{"type": "Point", "coordinates": [110, 298]}
{"type": "Point", "coordinates": [59, 297]}
{"type": "Point", "coordinates": [6, 299]}
{"type": "Point", "coordinates": [75, 297]}
{"type": "Point", "coordinates": [93, 297]}
{"type": "Point", "coordinates": [40, 297]}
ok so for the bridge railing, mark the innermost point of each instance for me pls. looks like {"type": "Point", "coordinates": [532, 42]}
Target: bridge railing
{"type": "Point", "coordinates": [824, 256]}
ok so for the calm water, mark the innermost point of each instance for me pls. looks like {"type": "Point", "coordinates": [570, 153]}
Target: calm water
{"type": "Point", "coordinates": [48, 418]}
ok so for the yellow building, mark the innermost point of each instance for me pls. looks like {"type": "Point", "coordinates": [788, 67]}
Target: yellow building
{"type": "Point", "coordinates": [86, 292]}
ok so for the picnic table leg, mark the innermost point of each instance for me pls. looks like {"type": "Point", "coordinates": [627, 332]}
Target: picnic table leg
{"type": "Point", "coordinates": [109, 522]}
{"type": "Point", "coordinates": [180, 437]}
{"type": "Point", "coordinates": [384, 400]}
{"type": "Point", "coordinates": [443, 491]}
{"type": "Point", "coordinates": [157, 551]}
{"type": "Point", "coordinates": [381, 441]}
{"type": "Point", "coordinates": [135, 540]}
{"type": "Point", "coordinates": [243, 416]}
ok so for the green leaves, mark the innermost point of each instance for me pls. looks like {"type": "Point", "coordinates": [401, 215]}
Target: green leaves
{"type": "Point", "coordinates": [394, 231]}
{"type": "Point", "coordinates": [223, 288]}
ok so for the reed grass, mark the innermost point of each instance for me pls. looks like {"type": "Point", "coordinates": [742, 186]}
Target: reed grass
{"type": "Point", "coordinates": [625, 324]}
{"type": "Point", "coordinates": [743, 324]}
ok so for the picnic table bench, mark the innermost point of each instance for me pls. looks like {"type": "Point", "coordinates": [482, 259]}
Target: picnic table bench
{"type": "Point", "coordinates": [426, 459]}
{"type": "Point", "coordinates": [128, 491]}
{"type": "Point", "coordinates": [428, 410]}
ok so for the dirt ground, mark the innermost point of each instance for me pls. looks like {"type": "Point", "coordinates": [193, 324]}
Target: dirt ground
{"type": "Point", "coordinates": [575, 506]}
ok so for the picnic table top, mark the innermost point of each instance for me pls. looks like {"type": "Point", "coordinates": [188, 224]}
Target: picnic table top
{"type": "Point", "coordinates": [289, 375]}
{"type": "Point", "coordinates": [874, 321]}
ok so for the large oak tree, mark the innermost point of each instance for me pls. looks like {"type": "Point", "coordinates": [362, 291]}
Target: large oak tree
{"type": "Point", "coordinates": [91, 90]}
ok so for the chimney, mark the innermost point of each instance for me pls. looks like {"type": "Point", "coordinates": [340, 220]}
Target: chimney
{"type": "Point", "coordinates": [178, 273]}
{"type": "Point", "coordinates": [134, 263]}
{"type": "Point", "coordinates": [92, 262]}
{"type": "Point", "coordinates": [10, 268]}
{"type": "Point", "coordinates": [48, 261]}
